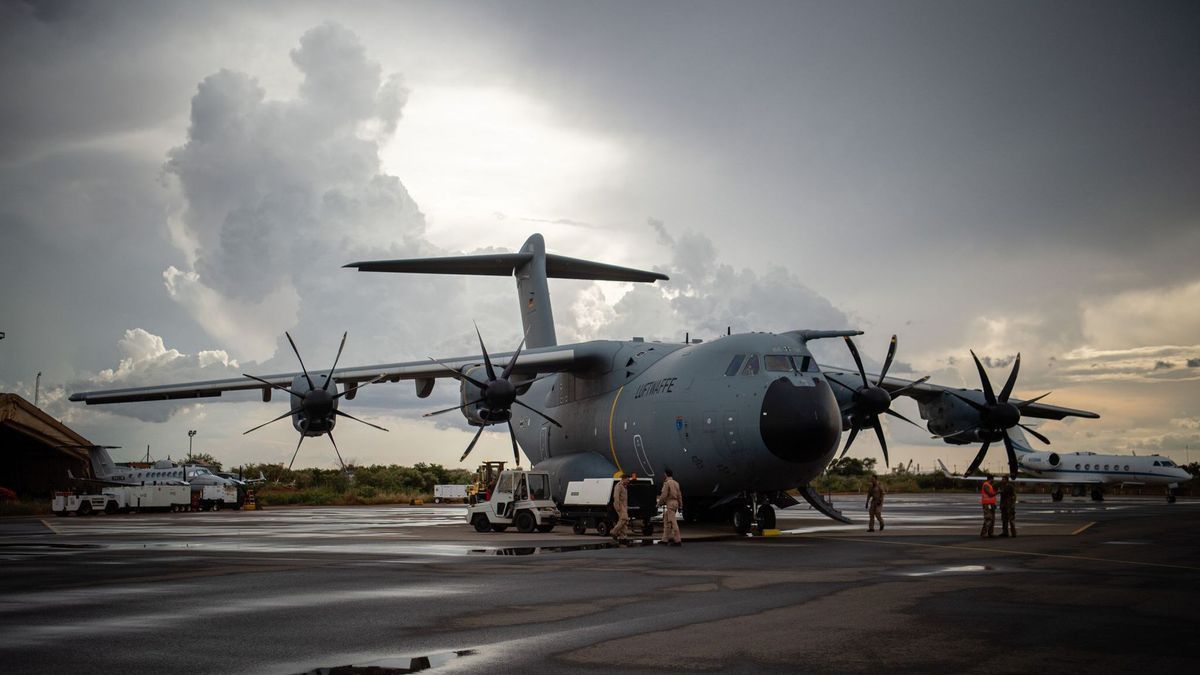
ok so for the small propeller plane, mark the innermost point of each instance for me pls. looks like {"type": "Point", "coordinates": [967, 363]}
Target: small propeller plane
{"type": "Point", "coordinates": [740, 420]}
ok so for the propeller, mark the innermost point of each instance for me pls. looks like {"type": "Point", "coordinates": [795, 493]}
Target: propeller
{"type": "Point", "coordinates": [997, 415]}
{"type": "Point", "coordinates": [316, 405]}
{"type": "Point", "coordinates": [498, 394]}
{"type": "Point", "coordinates": [870, 401]}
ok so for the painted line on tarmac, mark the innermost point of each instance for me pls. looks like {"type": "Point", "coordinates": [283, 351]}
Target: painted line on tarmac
{"type": "Point", "coordinates": [49, 526]}
{"type": "Point", "coordinates": [955, 547]}
{"type": "Point", "coordinates": [1081, 530]}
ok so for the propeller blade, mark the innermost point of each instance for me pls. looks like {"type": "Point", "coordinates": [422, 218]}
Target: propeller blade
{"type": "Point", "coordinates": [539, 412]}
{"type": "Point", "coordinates": [297, 352]}
{"type": "Point", "coordinates": [1024, 404]}
{"type": "Point", "coordinates": [893, 413]}
{"type": "Point", "coordinates": [457, 407]}
{"type": "Point", "coordinates": [977, 406]}
{"type": "Point", "coordinates": [853, 433]}
{"type": "Point", "coordinates": [335, 449]}
{"type": "Point", "coordinates": [1012, 456]}
{"type": "Point", "coordinates": [857, 360]}
{"type": "Point", "coordinates": [290, 412]}
{"type": "Point", "coordinates": [295, 453]}
{"type": "Point", "coordinates": [458, 375]}
{"type": "Point", "coordinates": [472, 445]}
{"type": "Point", "coordinates": [358, 386]}
{"type": "Point", "coordinates": [339, 413]}
{"type": "Point", "coordinates": [988, 394]}
{"type": "Point", "coordinates": [906, 387]}
{"type": "Point", "coordinates": [978, 459]}
{"type": "Point", "coordinates": [280, 387]}
{"type": "Point", "coordinates": [513, 361]}
{"type": "Point", "coordinates": [1035, 434]}
{"type": "Point", "coordinates": [487, 360]}
{"type": "Point", "coordinates": [887, 361]}
{"type": "Point", "coordinates": [516, 451]}
{"type": "Point", "coordinates": [1012, 379]}
{"type": "Point", "coordinates": [882, 440]}
{"type": "Point", "coordinates": [329, 377]}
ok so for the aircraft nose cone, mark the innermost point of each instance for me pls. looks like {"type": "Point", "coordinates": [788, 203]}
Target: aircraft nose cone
{"type": "Point", "coordinates": [800, 424]}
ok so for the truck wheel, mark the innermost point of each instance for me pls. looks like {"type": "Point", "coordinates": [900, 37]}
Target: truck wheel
{"type": "Point", "coordinates": [525, 522]}
{"type": "Point", "coordinates": [480, 522]}
{"type": "Point", "coordinates": [579, 527]}
{"type": "Point", "coordinates": [437, 500]}
{"type": "Point", "coordinates": [110, 508]}
{"type": "Point", "coordinates": [217, 505]}
{"type": "Point", "coordinates": [499, 528]}
{"type": "Point", "coordinates": [85, 509]}
{"type": "Point", "coordinates": [648, 528]}
{"type": "Point", "coordinates": [60, 514]}
{"type": "Point", "coordinates": [546, 527]}
{"type": "Point", "coordinates": [602, 528]}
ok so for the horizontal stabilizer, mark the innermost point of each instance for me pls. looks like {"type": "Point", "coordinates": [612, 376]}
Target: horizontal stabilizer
{"type": "Point", "coordinates": [505, 265]}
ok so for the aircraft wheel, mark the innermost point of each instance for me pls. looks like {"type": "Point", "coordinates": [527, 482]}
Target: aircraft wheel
{"type": "Point", "coordinates": [766, 517]}
{"type": "Point", "coordinates": [1056, 495]}
{"type": "Point", "coordinates": [579, 527]}
{"type": "Point", "coordinates": [85, 509]}
{"type": "Point", "coordinates": [741, 519]}
{"type": "Point", "coordinates": [499, 528]}
{"type": "Point", "coordinates": [110, 508]}
{"type": "Point", "coordinates": [603, 527]}
{"type": "Point", "coordinates": [1097, 496]}
{"type": "Point", "coordinates": [525, 522]}
{"type": "Point", "coordinates": [1170, 499]}
{"type": "Point", "coordinates": [480, 522]}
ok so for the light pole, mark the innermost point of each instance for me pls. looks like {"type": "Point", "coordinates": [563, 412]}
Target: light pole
{"type": "Point", "coordinates": [37, 387]}
{"type": "Point", "coordinates": [191, 433]}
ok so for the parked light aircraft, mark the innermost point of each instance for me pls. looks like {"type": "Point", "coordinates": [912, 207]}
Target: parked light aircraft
{"type": "Point", "coordinates": [163, 472]}
{"type": "Point", "coordinates": [740, 419]}
{"type": "Point", "coordinates": [1084, 470]}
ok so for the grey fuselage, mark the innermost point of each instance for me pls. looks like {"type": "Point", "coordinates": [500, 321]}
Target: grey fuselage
{"type": "Point", "coordinates": [650, 406]}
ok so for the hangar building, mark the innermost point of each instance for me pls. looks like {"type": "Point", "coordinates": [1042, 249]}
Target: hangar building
{"type": "Point", "coordinates": [33, 462]}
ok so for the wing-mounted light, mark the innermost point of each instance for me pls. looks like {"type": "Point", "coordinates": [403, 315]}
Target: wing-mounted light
{"type": "Point", "coordinates": [314, 403]}
{"type": "Point", "coordinates": [866, 403]}
{"type": "Point", "coordinates": [489, 401]}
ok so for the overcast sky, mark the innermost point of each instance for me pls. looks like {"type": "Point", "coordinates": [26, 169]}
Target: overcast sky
{"type": "Point", "coordinates": [181, 182]}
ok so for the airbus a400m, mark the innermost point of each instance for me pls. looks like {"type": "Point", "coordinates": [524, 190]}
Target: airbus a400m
{"type": "Point", "coordinates": [740, 420]}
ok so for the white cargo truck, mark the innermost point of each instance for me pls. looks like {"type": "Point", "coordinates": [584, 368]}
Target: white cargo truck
{"type": "Point", "coordinates": [121, 499]}
{"type": "Point", "coordinates": [158, 497]}
{"type": "Point", "coordinates": [445, 493]}
{"type": "Point", "coordinates": [215, 497]}
{"type": "Point", "coordinates": [521, 499]}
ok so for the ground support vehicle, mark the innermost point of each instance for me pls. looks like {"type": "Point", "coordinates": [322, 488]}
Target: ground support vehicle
{"type": "Point", "coordinates": [88, 505]}
{"type": "Point", "coordinates": [520, 499]}
{"type": "Point", "coordinates": [215, 498]}
{"type": "Point", "coordinates": [122, 499]}
{"type": "Point", "coordinates": [588, 505]}
{"type": "Point", "coordinates": [158, 497]}
{"type": "Point", "coordinates": [445, 493]}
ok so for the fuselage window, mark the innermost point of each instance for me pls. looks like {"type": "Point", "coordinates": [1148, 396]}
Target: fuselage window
{"type": "Point", "coordinates": [1126, 467]}
{"type": "Point", "coordinates": [751, 367]}
{"type": "Point", "coordinates": [1087, 467]}
{"type": "Point", "coordinates": [1106, 467]}
{"type": "Point", "coordinates": [735, 364]}
{"type": "Point", "coordinates": [1076, 467]}
{"type": "Point", "coordinates": [777, 363]}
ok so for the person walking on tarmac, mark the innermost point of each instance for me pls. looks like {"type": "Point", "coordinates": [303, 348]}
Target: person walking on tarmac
{"type": "Point", "coordinates": [987, 497]}
{"type": "Point", "coordinates": [875, 504]}
{"type": "Point", "coordinates": [671, 498]}
{"type": "Point", "coordinates": [1008, 507]}
{"type": "Point", "coordinates": [620, 504]}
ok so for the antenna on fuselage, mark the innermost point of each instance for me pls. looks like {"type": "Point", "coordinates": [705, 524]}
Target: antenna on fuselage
{"type": "Point", "coordinates": [687, 338]}
{"type": "Point", "coordinates": [728, 330]}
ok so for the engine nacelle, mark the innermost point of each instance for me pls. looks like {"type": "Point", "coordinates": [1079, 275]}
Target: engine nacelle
{"type": "Point", "coordinates": [947, 414]}
{"type": "Point", "coordinates": [476, 413]}
{"type": "Point", "coordinates": [316, 412]}
{"type": "Point", "coordinates": [1040, 461]}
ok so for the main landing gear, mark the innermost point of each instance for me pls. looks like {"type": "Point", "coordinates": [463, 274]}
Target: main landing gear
{"type": "Point", "coordinates": [755, 514]}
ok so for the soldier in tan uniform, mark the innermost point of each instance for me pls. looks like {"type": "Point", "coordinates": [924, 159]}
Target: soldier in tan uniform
{"type": "Point", "coordinates": [875, 504]}
{"type": "Point", "coordinates": [671, 498]}
{"type": "Point", "coordinates": [620, 504]}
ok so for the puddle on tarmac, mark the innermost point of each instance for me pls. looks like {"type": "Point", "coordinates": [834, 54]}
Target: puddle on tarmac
{"type": "Point", "coordinates": [26, 545]}
{"type": "Point", "coordinates": [538, 550]}
{"type": "Point", "coordinates": [934, 571]}
{"type": "Point", "coordinates": [395, 664]}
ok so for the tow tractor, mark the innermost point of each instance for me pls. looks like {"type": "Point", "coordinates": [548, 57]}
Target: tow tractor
{"type": "Point", "coordinates": [521, 499]}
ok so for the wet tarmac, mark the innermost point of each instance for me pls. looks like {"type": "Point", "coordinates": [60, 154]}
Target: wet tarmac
{"type": "Point", "coordinates": [1089, 586]}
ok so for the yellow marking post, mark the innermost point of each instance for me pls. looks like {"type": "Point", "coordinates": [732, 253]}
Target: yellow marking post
{"type": "Point", "coordinates": [611, 445]}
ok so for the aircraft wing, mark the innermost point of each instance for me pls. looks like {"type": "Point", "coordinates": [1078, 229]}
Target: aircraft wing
{"type": "Point", "coordinates": [925, 391]}
{"type": "Point", "coordinates": [577, 358]}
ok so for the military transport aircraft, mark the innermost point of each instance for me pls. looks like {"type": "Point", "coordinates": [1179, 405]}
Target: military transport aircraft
{"type": "Point", "coordinates": [1090, 470]}
{"type": "Point", "coordinates": [740, 419]}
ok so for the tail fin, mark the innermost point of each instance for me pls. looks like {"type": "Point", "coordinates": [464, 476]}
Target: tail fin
{"type": "Point", "coordinates": [531, 267]}
{"type": "Point", "coordinates": [102, 463]}
{"type": "Point", "coordinates": [1019, 441]}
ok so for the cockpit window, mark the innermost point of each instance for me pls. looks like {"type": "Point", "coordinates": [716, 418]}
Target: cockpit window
{"type": "Point", "coordinates": [805, 364]}
{"type": "Point", "coordinates": [735, 364]}
{"type": "Point", "coordinates": [751, 367]}
{"type": "Point", "coordinates": [1157, 464]}
{"type": "Point", "coordinates": [777, 363]}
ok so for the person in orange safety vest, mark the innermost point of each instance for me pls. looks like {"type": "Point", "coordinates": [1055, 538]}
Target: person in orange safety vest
{"type": "Point", "coordinates": [987, 497]}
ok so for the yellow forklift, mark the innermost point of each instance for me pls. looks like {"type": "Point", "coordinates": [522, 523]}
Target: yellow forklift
{"type": "Point", "coordinates": [485, 480]}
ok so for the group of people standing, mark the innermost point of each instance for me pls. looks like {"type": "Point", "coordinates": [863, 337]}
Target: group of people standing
{"type": "Point", "coordinates": [987, 497]}
{"type": "Point", "coordinates": [670, 498]}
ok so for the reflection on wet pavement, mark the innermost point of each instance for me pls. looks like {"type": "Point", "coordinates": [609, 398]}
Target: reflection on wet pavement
{"type": "Point", "coordinates": [398, 664]}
